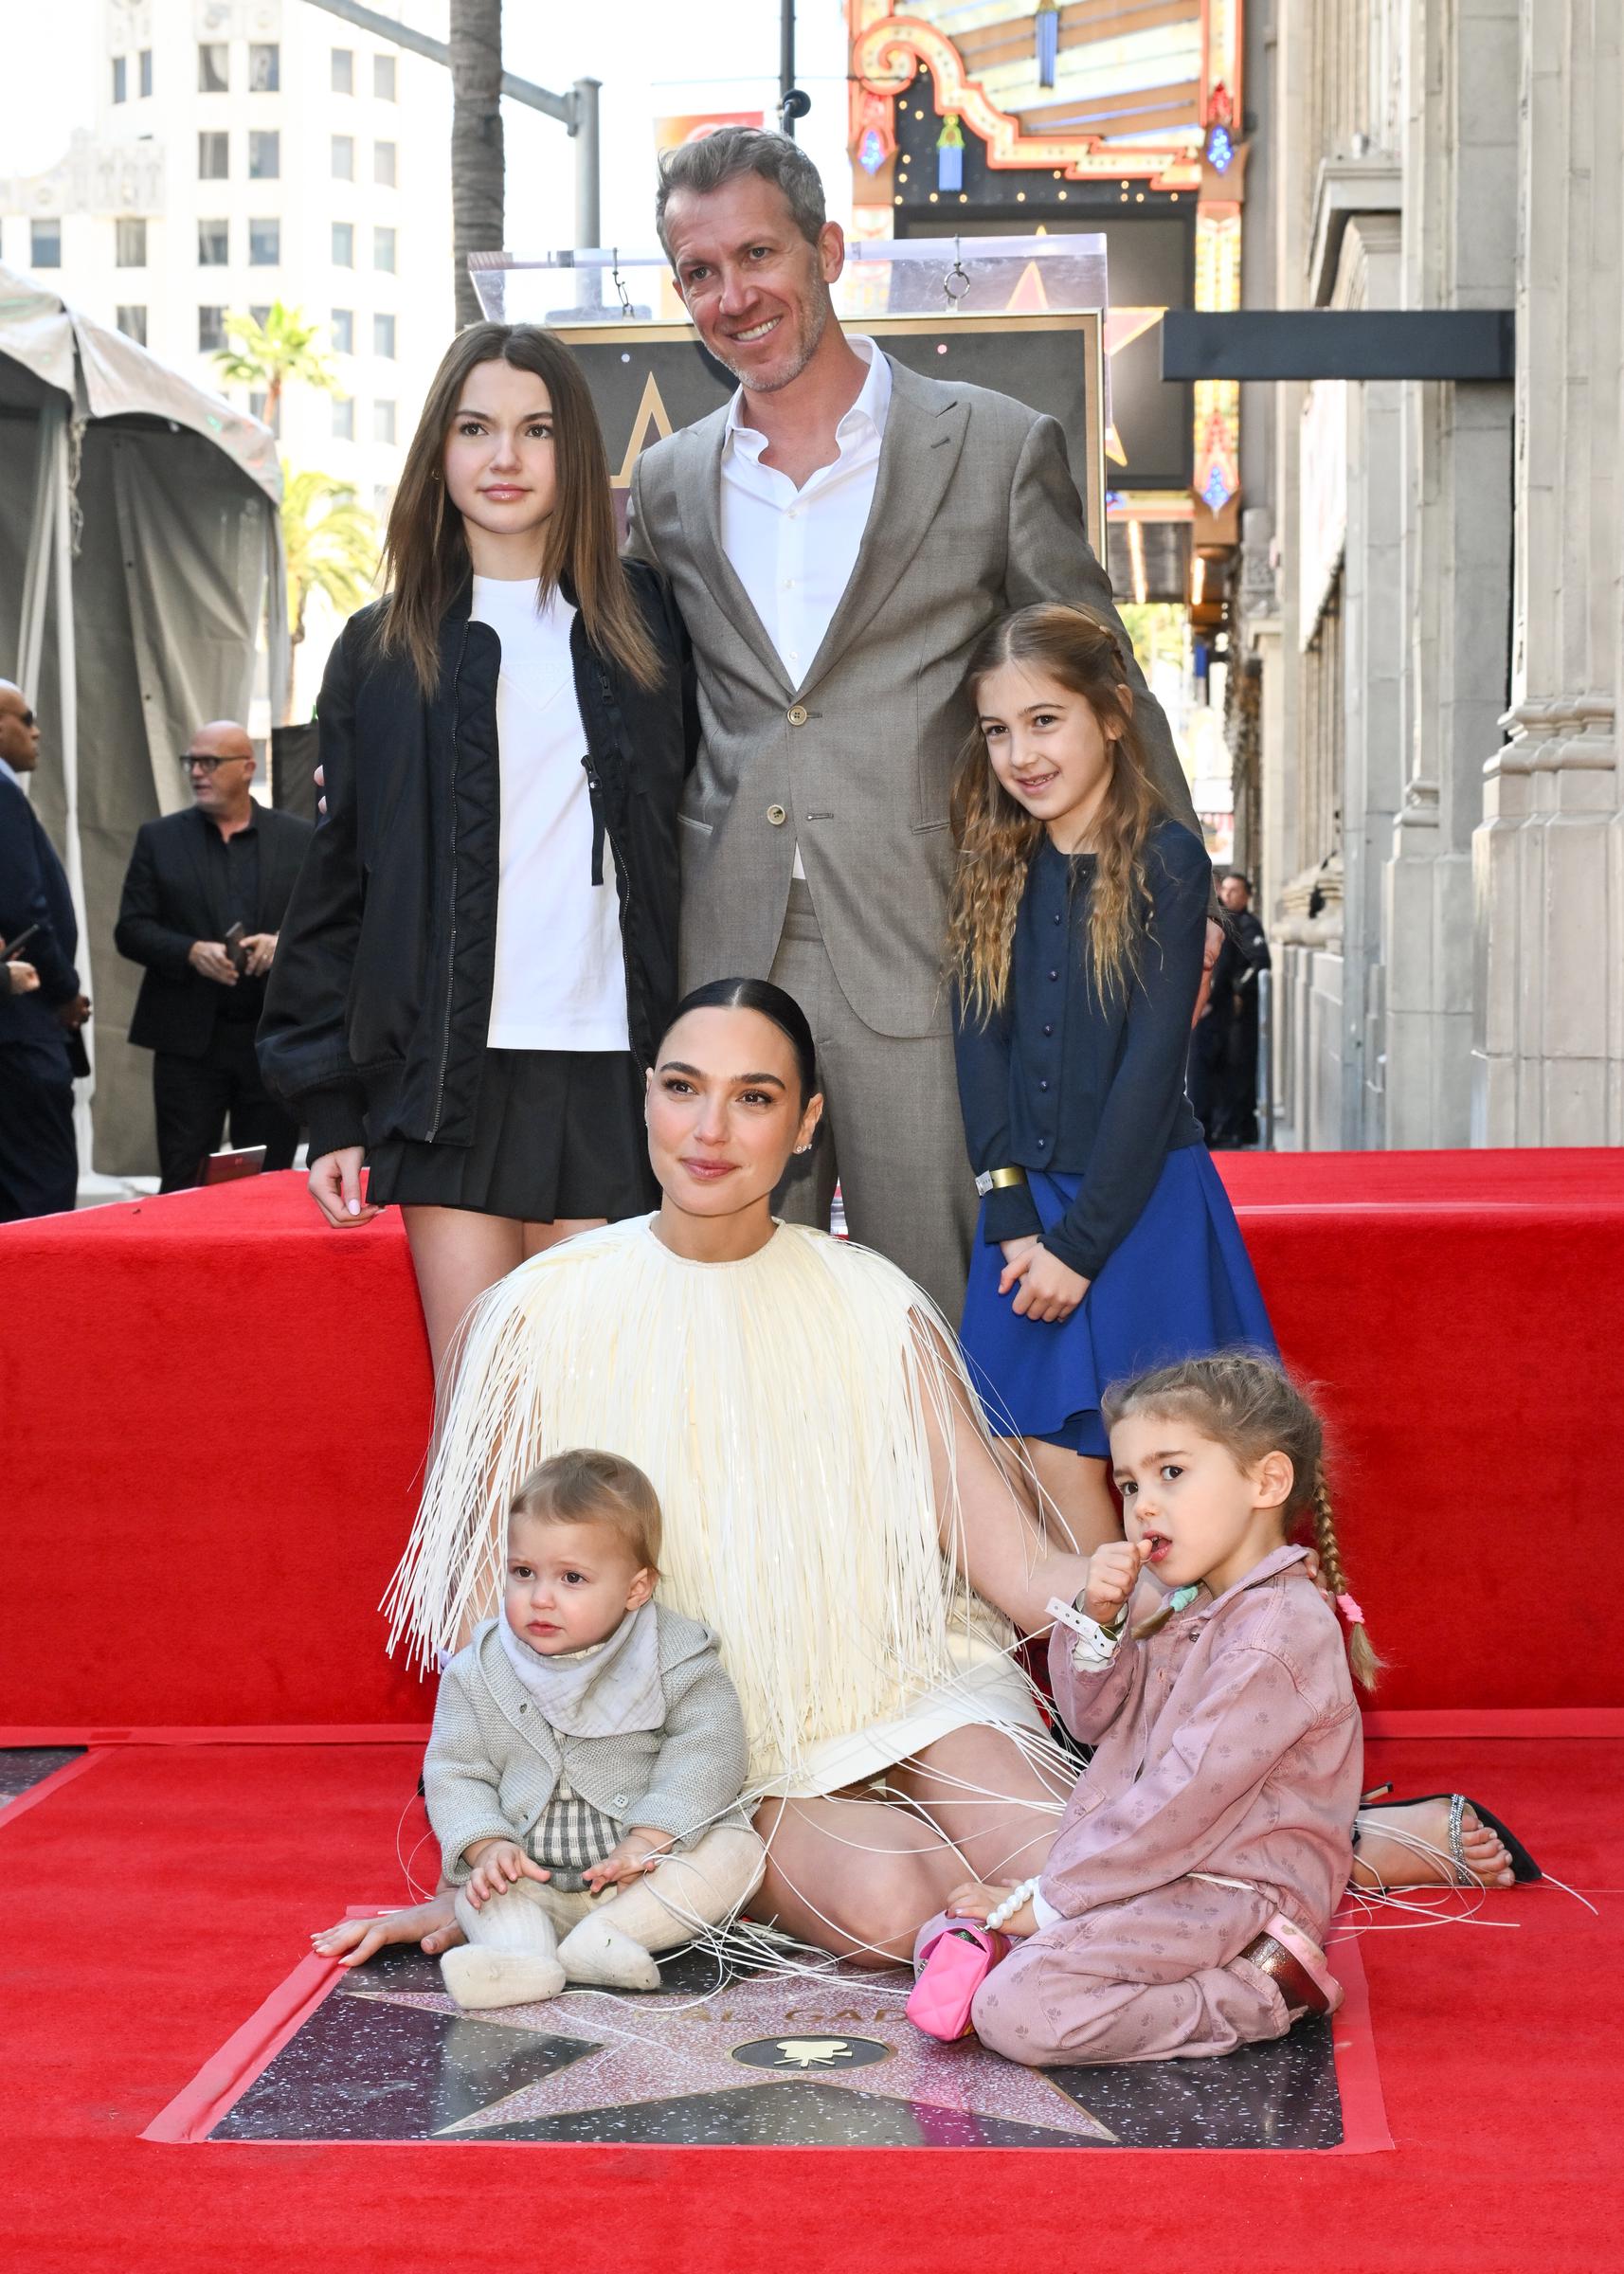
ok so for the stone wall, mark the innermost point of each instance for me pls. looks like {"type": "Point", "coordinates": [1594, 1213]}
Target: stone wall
{"type": "Point", "coordinates": [1547, 855]}
{"type": "Point", "coordinates": [1399, 190]}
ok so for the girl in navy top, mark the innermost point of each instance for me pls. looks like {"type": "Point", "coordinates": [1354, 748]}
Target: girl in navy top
{"type": "Point", "coordinates": [1107, 1243]}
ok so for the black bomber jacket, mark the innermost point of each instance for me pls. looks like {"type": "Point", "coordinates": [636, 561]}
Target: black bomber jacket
{"type": "Point", "coordinates": [379, 1000]}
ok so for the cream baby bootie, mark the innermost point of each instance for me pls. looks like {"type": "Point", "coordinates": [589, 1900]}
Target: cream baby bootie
{"type": "Point", "coordinates": [598, 1953]}
{"type": "Point", "coordinates": [510, 1957]}
{"type": "Point", "coordinates": [479, 1979]}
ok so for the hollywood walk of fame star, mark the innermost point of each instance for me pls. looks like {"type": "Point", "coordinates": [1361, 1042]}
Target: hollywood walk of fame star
{"type": "Point", "coordinates": [670, 2045]}
{"type": "Point", "coordinates": [802, 2052]}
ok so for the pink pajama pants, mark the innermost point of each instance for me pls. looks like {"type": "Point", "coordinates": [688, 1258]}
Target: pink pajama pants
{"type": "Point", "coordinates": [1157, 1977]}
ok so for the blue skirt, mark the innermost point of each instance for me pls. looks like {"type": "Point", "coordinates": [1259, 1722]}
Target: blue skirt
{"type": "Point", "coordinates": [1179, 1286]}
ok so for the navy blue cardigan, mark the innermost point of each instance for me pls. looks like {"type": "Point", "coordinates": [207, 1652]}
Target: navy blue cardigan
{"type": "Point", "coordinates": [1060, 1080]}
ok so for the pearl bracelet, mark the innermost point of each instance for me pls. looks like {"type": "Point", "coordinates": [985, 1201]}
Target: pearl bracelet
{"type": "Point", "coordinates": [1011, 1903]}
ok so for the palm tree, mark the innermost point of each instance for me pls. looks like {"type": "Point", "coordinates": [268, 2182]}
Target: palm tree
{"type": "Point", "coordinates": [477, 158]}
{"type": "Point", "coordinates": [331, 545]}
{"type": "Point", "coordinates": [269, 355]}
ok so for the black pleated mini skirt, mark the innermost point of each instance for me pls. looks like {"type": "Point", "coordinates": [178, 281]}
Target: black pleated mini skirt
{"type": "Point", "coordinates": [557, 1133]}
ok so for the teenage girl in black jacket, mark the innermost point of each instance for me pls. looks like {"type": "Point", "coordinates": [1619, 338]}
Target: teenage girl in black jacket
{"type": "Point", "coordinates": [481, 945]}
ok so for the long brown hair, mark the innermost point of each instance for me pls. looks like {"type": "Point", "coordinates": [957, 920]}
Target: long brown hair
{"type": "Point", "coordinates": [1250, 1407]}
{"type": "Point", "coordinates": [427, 548]}
{"type": "Point", "coordinates": [997, 837]}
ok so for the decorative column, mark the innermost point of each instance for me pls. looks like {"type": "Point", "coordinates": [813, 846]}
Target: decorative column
{"type": "Point", "coordinates": [1548, 857]}
{"type": "Point", "coordinates": [1460, 251]}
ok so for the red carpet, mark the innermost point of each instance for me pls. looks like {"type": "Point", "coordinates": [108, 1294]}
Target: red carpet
{"type": "Point", "coordinates": [156, 1901]}
{"type": "Point", "coordinates": [235, 1399]}
{"type": "Point", "coordinates": [213, 1414]}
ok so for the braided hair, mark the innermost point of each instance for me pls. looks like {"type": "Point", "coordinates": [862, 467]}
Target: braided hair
{"type": "Point", "coordinates": [1250, 1406]}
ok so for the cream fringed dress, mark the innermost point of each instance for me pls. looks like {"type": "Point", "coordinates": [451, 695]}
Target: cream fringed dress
{"type": "Point", "coordinates": [778, 1406]}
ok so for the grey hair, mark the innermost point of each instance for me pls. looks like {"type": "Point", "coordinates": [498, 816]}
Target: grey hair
{"type": "Point", "coordinates": [722, 156]}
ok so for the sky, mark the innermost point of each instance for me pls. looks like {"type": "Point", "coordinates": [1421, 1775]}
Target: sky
{"type": "Point", "coordinates": [33, 43]}
{"type": "Point", "coordinates": [655, 57]}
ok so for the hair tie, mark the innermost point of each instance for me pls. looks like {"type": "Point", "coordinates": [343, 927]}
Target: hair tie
{"type": "Point", "coordinates": [1350, 1610]}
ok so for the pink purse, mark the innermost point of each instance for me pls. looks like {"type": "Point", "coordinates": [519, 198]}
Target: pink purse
{"type": "Point", "coordinates": [951, 1963]}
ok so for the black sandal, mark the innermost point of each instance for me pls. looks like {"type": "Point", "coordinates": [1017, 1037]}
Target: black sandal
{"type": "Point", "coordinates": [1523, 1867]}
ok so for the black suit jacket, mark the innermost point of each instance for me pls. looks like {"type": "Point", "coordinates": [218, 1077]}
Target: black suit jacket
{"type": "Point", "coordinates": [172, 898]}
{"type": "Point", "coordinates": [34, 891]}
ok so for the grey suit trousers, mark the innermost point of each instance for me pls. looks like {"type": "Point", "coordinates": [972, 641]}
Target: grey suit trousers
{"type": "Point", "coordinates": [890, 1135]}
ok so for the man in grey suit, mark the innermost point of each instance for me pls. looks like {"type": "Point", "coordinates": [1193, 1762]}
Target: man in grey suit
{"type": "Point", "coordinates": [838, 536]}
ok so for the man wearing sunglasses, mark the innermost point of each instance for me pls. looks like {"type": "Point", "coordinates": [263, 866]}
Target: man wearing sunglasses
{"type": "Point", "coordinates": [203, 897]}
{"type": "Point", "coordinates": [40, 1047]}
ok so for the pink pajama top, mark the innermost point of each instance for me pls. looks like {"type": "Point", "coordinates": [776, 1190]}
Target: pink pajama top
{"type": "Point", "coordinates": [1228, 1743]}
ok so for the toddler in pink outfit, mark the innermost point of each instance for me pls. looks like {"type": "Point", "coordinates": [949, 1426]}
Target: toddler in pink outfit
{"type": "Point", "coordinates": [1183, 1906]}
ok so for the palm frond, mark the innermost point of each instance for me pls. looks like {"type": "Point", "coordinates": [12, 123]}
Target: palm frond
{"type": "Point", "coordinates": [270, 354]}
{"type": "Point", "coordinates": [331, 545]}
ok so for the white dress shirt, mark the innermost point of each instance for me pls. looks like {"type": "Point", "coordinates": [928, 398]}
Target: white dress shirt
{"type": "Point", "coordinates": [794, 549]}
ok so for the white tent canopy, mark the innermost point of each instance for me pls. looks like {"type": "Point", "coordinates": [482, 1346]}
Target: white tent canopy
{"type": "Point", "coordinates": [141, 551]}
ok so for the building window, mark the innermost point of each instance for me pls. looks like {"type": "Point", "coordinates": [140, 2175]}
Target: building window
{"type": "Point", "coordinates": [210, 330]}
{"type": "Point", "coordinates": [384, 336]}
{"type": "Point", "coordinates": [213, 157]}
{"type": "Point", "coordinates": [343, 73]}
{"type": "Point", "coordinates": [213, 243]}
{"type": "Point", "coordinates": [384, 164]}
{"type": "Point", "coordinates": [264, 155]}
{"type": "Point", "coordinates": [265, 244]}
{"type": "Point", "coordinates": [261, 314]}
{"type": "Point", "coordinates": [384, 250]}
{"type": "Point", "coordinates": [342, 329]}
{"type": "Point", "coordinates": [131, 238]}
{"type": "Point", "coordinates": [383, 421]}
{"type": "Point", "coordinates": [344, 157]}
{"type": "Point", "coordinates": [133, 323]}
{"type": "Point", "coordinates": [343, 418]}
{"type": "Point", "coordinates": [44, 244]}
{"type": "Point", "coordinates": [146, 67]}
{"type": "Point", "coordinates": [264, 67]}
{"type": "Point", "coordinates": [213, 67]}
{"type": "Point", "coordinates": [384, 78]}
{"type": "Point", "coordinates": [383, 497]}
{"type": "Point", "coordinates": [344, 244]}
{"type": "Point", "coordinates": [257, 401]}
{"type": "Point", "coordinates": [120, 77]}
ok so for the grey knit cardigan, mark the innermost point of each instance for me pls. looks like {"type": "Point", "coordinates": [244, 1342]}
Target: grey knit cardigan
{"type": "Point", "coordinates": [494, 1763]}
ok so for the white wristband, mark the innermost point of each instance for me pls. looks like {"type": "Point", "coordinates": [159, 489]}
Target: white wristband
{"type": "Point", "coordinates": [1095, 1646]}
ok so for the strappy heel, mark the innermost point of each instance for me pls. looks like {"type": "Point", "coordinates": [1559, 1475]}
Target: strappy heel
{"type": "Point", "coordinates": [1523, 1867]}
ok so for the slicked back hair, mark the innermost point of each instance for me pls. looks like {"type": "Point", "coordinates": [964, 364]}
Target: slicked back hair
{"type": "Point", "coordinates": [703, 166]}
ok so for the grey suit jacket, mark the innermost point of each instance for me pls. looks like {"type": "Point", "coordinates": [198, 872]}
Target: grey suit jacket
{"type": "Point", "coordinates": [975, 512]}
{"type": "Point", "coordinates": [494, 1763]}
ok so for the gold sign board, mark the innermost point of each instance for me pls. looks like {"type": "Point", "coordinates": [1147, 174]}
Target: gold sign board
{"type": "Point", "coordinates": [648, 379]}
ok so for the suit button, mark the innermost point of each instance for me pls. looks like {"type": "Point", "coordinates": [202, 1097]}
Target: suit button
{"type": "Point", "coordinates": [1042, 1085]}
{"type": "Point", "coordinates": [777, 816]}
{"type": "Point", "coordinates": [798, 716]}
{"type": "Point", "coordinates": [1048, 1030]}
{"type": "Point", "coordinates": [1054, 975]}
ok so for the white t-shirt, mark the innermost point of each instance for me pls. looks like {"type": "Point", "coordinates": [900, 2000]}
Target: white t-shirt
{"type": "Point", "coordinates": [561, 976]}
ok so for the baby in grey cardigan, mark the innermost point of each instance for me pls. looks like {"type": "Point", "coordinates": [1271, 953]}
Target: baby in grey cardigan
{"type": "Point", "coordinates": [587, 1757]}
